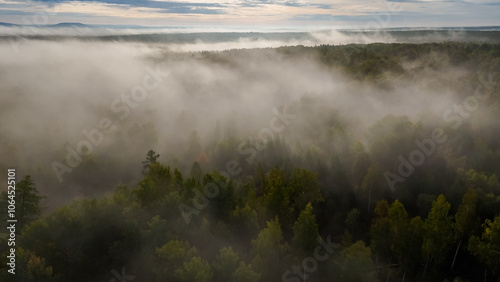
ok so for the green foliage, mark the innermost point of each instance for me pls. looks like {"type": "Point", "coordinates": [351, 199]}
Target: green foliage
{"type": "Point", "coordinates": [277, 195]}
{"type": "Point", "coordinates": [195, 269]}
{"type": "Point", "coordinates": [304, 188]}
{"type": "Point", "coordinates": [244, 220]}
{"type": "Point", "coordinates": [352, 220]}
{"type": "Point", "coordinates": [224, 199]}
{"type": "Point", "coordinates": [380, 242]}
{"type": "Point", "coordinates": [493, 184]}
{"type": "Point", "coordinates": [151, 158]}
{"type": "Point", "coordinates": [31, 267]}
{"type": "Point", "coordinates": [466, 219]}
{"type": "Point", "coordinates": [172, 256]}
{"type": "Point", "coordinates": [399, 228]}
{"type": "Point", "coordinates": [245, 274]}
{"type": "Point", "coordinates": [154, 186]}
{"type": "Point", "coordinates": [285, 198]}
{"type": "Point", "coordinates": [27, 202]}
{"type": "Point", "coordinates": [438, 231]}
{"type": "Point", "coordinates": [269, 250]}
{"type": "Point", "coordinates": [355, 263]}
{"type": "Point", "coordinates": [175, 251]}
{"type": "Point", "coordinates": [89, 234]}
{"type": "Point", "coordinates": [305, 230]}
{"type": "Point", "coordinates": [414, 240]}
{"type": "Point", "coordinates": [225, 264]}
{"type": "Point", "coordinates": [487, 247]}
{"type": "Point", "coordinates": [371, 185]}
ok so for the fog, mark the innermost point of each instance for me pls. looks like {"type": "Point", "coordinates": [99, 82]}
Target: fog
{"type": "Point", "coordinates": [191, 39]}
{"type": "Point", "coordinates": [266, 140]}
{"type": "Point", "coordinates": [53, 89]}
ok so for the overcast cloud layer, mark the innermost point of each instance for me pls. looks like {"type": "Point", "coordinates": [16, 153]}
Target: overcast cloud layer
{"type": "Point", "coordinates": [53, 90]}
{"type": "Point", "coordinates": [253, 13]}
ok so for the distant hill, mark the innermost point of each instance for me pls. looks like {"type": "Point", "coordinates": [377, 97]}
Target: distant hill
{"type": "Point", "coordinates": [7, 24]}
{"type": "Point", "coordinates": [50, 25]}
{"type": "Point", "coordinates": [68, 25]}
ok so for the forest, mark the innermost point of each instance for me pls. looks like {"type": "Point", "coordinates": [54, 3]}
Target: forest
{"type": "Point", "coordinates": [393, 179]}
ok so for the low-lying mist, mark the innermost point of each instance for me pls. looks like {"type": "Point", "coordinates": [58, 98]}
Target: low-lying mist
{"type": "Point", "coordinates": [200, 39]}
{"type": "Point", "coordinates": [186, 104]}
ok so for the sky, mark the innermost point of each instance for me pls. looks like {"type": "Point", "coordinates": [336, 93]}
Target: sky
{"type": "Point", "coordinates": [371, 14]}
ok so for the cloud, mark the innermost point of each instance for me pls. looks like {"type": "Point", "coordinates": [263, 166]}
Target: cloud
{"type": "Point", "coordinates": [66, 86]}
{"type": "Point", "coordinates": [160, 6]}
{"type": "Point", "coordinates": [258, 12]}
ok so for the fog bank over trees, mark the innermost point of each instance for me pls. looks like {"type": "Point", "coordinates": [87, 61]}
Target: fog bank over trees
{"type": "Point", "coordinates": [66, 87]}
{"type": "Point", "coordinates": [389, 151]}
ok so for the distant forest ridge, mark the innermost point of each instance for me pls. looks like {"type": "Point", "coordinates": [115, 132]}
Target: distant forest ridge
{"type": "Point", "coordinates": [489, 34]}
